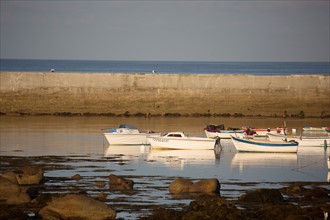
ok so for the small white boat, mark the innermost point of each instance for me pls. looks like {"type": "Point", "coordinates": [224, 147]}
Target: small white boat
{"type": "Point", "coordinates": [245, 145]}
{"type": "Point", "coordinates": [214, 131]}
{"type": "Point", "coordinates": [178, 140]}
{"type": "Point", "coordinates": [304, 141]}
{"type": "Point", "coordinates": [128, 135]}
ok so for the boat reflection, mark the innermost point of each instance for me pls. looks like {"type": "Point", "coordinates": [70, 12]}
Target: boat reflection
{"type": "Point", "coordinates": [178, 158]}
{"type": "Point", "coordinates": [244, 160]}
{"type": "Point", "coordinates": [126, 152]}
{"type": "Point", "coordinates": [312, 150]}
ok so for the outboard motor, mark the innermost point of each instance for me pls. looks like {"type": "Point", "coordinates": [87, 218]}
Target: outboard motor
{"type": "Point", "coordinates": [217, 147]}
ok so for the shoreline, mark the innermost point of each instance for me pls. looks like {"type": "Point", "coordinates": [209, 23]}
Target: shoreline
{"type": "Point", "coordinates": [299, 196]}
{"type": "Point", "coordinates": [166, 115]}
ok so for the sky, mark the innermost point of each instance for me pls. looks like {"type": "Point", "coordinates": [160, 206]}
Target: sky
{"type": "Point", "coordinates": [262, 30]}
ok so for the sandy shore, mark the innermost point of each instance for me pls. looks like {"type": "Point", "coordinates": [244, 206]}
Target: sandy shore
{"type": "Point", "coordinates": [164, 94]}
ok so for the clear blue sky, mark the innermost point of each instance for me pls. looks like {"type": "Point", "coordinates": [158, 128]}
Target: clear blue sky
{"type": "Point", "coordinates": [261, 30]}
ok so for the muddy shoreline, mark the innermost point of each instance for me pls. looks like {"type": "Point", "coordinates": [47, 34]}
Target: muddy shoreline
{"type": "Point", "coordinates": [298, 115]}
{"type": "Point", "coordinates": [302, 200]}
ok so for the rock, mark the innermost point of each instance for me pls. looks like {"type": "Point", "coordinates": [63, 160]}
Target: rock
{"type": "Point", "coordinates": [206, 186]}
{"type": "Point", "coordinates": [18, 198]}
{"type": "Point", "coordinates": [294, 189]}
{"type": "Point", "coordinates": [284, 211]}
{"type": "Point", "coordinates": [120, 183]}
{"type": "Point", "coordinates": [33, 191]}
{"type": "Point", "coordinates": [30, 175]}
{"type": "Point", "coordinates": [10, 176]}
{"type": "Point", "coordinates": [211, 208]}
{"type": "Point", "coordinates": [262, 196]}
{"type": "Point", "coordinates": [7, 188]}
{"type": "Point", "coordinates": [101, 196]}
{"type": "Point", "coordinates": [76, 177]}
{"type": "Point", "coordinates": [77, 207]}
{"type": "Point", "coordinates": [100, 184]}
{"type": "Point", "coordinates": [181, 185]}
{"type": "Point", "coordinates": [317, 193]}
{"type": "Point", "coordinates": [203, 208]}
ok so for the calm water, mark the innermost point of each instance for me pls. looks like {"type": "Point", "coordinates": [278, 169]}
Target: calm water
{"type": "Point", "coordinates": [80, 138]}
{"type": "Point", "coordinates": [254, 68]}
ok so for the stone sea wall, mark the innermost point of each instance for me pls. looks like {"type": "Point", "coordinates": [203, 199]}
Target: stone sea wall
{"type": "Point", "coordinates": [164, 94]}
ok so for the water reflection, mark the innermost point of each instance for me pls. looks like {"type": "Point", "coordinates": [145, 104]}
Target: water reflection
{"type": "Point", "coordinates": [126, 150]}
{"type": "Point", "coordinates": [244, 160]}
{"type": "Point", "coordinates": [309, 164]}
{"type": "Point", "coordinates": [178, 158]}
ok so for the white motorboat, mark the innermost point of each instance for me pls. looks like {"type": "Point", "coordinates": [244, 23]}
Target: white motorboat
{"type": "Point", "coordinates": [128, 135]}
{"type": "Point", "coordinates": [245, 145]}
{"type": "Point", "coordinates": [304, 141]}
{"type": "Point", "coordinates": [178, 140]}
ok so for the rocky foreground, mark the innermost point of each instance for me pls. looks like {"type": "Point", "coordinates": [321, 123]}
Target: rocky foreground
{"type": "Point", "coordinates": [22, 196]}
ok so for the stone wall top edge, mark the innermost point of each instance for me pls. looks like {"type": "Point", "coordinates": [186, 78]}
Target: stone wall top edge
{"type": "Point", "coordinates": [163, 74]}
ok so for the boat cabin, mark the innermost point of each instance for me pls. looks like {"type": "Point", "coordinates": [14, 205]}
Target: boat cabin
{"type": "Point", "coordinates": [174, 134]}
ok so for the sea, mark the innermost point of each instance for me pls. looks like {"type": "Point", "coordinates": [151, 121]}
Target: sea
{"type": "Point", "coordinates": [165, 67]}
{"type": "Point", "coordinates": [68, 146]}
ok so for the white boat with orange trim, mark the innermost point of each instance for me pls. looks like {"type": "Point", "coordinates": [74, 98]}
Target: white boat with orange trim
{"type": "Point", "coordinates": [264, 131]}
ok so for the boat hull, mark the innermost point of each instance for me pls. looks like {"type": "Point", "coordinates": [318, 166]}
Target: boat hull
{"type": "Point", "coordinates": [223, 134]}
{"type": "Point", "coordinates": [182, 143]}
{"type": "Point", "coordinates": [243, 145]}
{"type": "Point", "coordinates": [127, 139]}
{"type": "Point", "coordinates": [303, 141]}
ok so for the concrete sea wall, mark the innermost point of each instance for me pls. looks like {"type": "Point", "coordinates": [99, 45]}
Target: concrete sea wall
{"type": "Point", "coordinates": [160, 94]}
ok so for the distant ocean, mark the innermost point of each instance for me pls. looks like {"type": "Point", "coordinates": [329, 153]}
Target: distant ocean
{"type": "Point", "coordinates": [179, 67]}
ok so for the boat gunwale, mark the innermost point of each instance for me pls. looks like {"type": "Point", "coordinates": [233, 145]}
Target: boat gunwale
{"type": "Point", "coordinates": [265, 144]}
{"type": "Point", "coordinates": [184, 138]}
